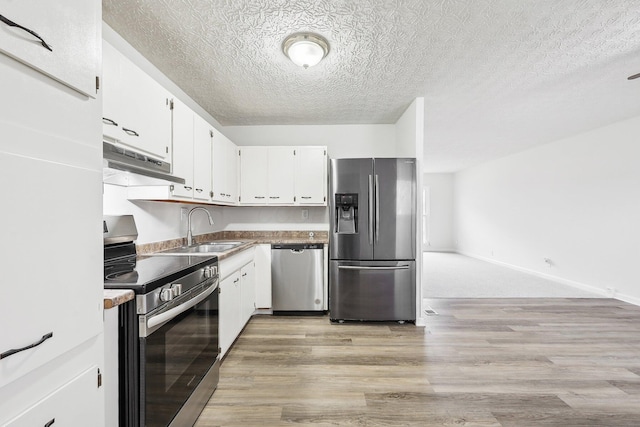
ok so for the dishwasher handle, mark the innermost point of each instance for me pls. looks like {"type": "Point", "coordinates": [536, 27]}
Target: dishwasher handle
{"type": "Point", "coordinates": [296, 247]}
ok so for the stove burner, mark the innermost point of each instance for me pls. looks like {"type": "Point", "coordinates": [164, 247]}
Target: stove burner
{"type": "Point", "coordinates": [129, 276]}
{"type": "Point", "coordinates": [121, 270]}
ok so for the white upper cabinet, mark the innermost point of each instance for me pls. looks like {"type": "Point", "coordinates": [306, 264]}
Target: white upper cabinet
{"type": "Point", "coordinates": [281, 165]}
{"type": "Point", "coordinates": [254, 188]}
{"type": "Point", "coordinates": [192, 140]}
{"type": "Point", "coordinates": [202, 152]}
{"type": "Point", "coordinates": [311, 176]}
{"type": "Point", "coordinates": [61, 39]}
{"type": "Point", "coordinates": [136, 108]}
{"type": "Point", "coordinates": [225, 170]}
{"type": "Point", "coordinates": [288, 176]}
{"type": "Point", "coordinates": [182, 139]}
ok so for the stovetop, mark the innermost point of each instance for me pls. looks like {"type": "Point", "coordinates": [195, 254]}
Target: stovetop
{"type": "Point", "coordinates": [143, 274]}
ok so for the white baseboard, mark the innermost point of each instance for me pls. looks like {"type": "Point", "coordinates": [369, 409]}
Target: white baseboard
{"type": "Point", "coordinates": [572, 283]}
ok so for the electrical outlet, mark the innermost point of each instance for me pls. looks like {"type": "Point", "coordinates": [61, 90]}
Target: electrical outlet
{"type": "Point", "coordinates": [183, 213]}
{"type": "Point", "coordinates": [305, 214]}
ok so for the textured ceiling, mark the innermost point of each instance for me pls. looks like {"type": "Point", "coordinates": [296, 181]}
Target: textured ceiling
{"type": "Point", "coordinates": [498, 76]}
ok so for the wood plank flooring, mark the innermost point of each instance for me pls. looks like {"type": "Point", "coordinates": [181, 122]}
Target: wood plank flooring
{"type": "Point", "coordinates": [479, 362]}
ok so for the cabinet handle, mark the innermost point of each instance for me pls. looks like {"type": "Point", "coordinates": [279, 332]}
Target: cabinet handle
{"type": "Point", "coordinates": [188, 188]}
{"type": "Point", "coordinates": [131, 132]}
{"type": "Point", "coordinates": [18, 350]}
{"type": "Point", "coordinates": [274, 197]}
{"type": "Point", "coordinates": [50, 423]}
{"type": "Point", "coordinates": [107, 121]}
{"type": "Point", "coordinates": [305, 197]}
{"type": "Point", "coordinates": [199, 190]}
{"type": "Point", "coordinates": [33, 33]}
{"type": "Point", "coordinates": [244, 274]}
{"type": "Point", "coordinates": [259, 197]}
{"type": "Point", "coordinates": [236, 281]}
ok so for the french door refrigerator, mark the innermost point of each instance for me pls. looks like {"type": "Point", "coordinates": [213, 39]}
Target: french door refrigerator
{"type": "Point", "coordinates": [372, 239]}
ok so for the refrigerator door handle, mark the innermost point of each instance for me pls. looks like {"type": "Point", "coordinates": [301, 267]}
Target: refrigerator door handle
{"type": "Point", "coordinates": [371, 210]}
{"type": "Point", "coordinates": [377, 209]}
{"type": "Point", "coordinates": [356, 267]}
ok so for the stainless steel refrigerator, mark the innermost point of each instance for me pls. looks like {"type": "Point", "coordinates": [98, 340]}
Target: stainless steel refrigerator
{"type": "Point", "coordinates": [372, 243]}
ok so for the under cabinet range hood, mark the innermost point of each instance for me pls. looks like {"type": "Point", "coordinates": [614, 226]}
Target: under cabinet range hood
{"type": "Point", "coordinates": [123, 159]}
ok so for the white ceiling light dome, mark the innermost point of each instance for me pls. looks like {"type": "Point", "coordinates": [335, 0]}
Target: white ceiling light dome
{"type": "Point", "coordinates": [305, 49]}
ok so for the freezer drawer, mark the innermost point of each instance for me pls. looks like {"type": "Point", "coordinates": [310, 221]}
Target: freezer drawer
{"type": "Point", "coordinates": [372, 290]}
{"type": "Point", "coordinates": [297, 277]}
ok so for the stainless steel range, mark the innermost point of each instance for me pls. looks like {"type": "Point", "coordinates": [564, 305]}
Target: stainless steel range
{"type": "Point", "coordinates": [169, 350]}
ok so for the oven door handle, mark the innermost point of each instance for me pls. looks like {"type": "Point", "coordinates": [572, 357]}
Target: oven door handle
{"type": "Point", "coordinates": [165, 316]}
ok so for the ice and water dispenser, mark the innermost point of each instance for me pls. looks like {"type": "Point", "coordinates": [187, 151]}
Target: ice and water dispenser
{"type": "Point", "coordinates": [346, 214]}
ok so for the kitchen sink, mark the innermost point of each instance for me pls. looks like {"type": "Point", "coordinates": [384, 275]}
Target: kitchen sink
{"type": "Point", "coordinates": [203, 248]}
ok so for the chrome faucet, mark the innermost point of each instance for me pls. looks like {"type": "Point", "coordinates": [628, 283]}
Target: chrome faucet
{"type": "Point", "coordinates": [189, 235]}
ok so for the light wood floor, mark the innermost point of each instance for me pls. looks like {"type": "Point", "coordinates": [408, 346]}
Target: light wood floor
{"type": "Point", "coordinates": [480, 362]}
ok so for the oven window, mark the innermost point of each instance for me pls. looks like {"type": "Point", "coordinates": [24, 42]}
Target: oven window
{"type": "Point", "coordinates": [175, 358]}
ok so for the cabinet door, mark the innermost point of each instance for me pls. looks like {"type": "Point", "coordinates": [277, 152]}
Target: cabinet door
{"type": "Point", "coordinates": [247, 275]}
{"type": "Point", "coordinates": [311, 175]}
{"type": "Point", "coordinates": [60, 408]}
{"type": "Point", "coordinates": [182, 133]}
{"type": "Point", "coordinates": [225, 170]}
{"type": "Point", "coordinates": [136, 108]}
{"type": "Point", "coordinates": [231, 179]}
{"type": "Point", "coordinates": [230, 314]}
{"type": "Point", "coordinates": [253, 176]}
{"type": "Point", "coordinates": [202, 147]}
{"type": "Point", "coordinates": [263, 276]}
{"type": "Point", "coordinates": [281, 164]}
{"type": "Point", "coordinates": [30, 308]}
{"type": "Point", "coordinates": [70, 28]}
{"type": "Point", "coordinates": [219, 175]}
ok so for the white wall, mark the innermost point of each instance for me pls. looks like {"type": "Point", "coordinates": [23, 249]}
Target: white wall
{"type": "Point", "coordinates": [574, 201]}
{"type": "Point", "coordinates": [410, 131]}
{"type": "Point", "coordinates": [159, 221]}
{"type": "Point", "coordinates": [341, 140]}
{"type": "Point", "coordinates": [440, 219]}
{"type": "Point", "coordinates": [409, 143]}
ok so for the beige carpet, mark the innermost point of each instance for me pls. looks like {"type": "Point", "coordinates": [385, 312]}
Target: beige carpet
{"type": "Point", "coordinates": [450, 275]}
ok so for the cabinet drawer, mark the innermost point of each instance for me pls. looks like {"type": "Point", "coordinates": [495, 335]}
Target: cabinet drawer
{"type": "Point", "coordinates": [59, 408]}
{"type": "Point", "coordinates": [65, 296]}
{"type": "Point", "coordinates": [67, 27]}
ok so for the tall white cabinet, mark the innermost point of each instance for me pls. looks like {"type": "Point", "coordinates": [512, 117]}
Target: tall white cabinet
{"type": "Point", "coordinates": [51, 161]}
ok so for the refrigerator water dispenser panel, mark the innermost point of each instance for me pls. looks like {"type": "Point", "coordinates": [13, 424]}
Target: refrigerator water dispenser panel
{"type": "Point", "coordinates": [346, 215]}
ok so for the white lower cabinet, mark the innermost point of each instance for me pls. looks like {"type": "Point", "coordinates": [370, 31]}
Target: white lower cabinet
{"type": "Point", "coordinates": [60, 408]}
{"type": "Point", "coordinates": [237, 296]}
{"type": "Point", "coordinates": [230, 301]}
{"type": "Point", "coordinates": [247, 292]}
{"type": "Point", "coordinates": [263, 271]}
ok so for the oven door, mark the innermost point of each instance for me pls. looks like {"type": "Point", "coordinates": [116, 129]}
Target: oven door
{"type": "Point", "coordinates": [179, 360]}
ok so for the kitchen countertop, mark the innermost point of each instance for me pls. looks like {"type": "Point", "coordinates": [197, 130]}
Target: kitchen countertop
{"type": "Point", "coordinates": [249, 237]}
{"type": "Point", "coordinates": [116, 297]}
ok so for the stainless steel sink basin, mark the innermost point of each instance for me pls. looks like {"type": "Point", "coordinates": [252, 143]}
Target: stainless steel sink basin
{"type": "Point", "coordinates": [203, 248]}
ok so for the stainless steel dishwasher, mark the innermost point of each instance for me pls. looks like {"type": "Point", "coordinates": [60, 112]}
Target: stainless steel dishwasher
{"type": "Point", "coordinates": [297, 278]}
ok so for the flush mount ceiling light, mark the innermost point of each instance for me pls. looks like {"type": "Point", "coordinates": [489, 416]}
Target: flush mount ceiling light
{"type": "Point", "coordinates": [305, 49]}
